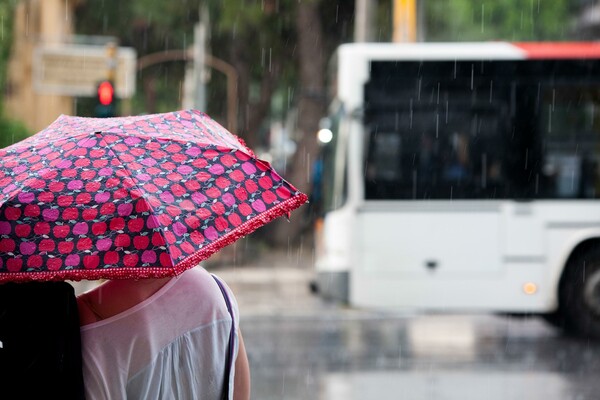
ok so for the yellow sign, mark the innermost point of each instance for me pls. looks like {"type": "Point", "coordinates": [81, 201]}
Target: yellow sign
{"type": "Point", "coordinates": [75, 70]}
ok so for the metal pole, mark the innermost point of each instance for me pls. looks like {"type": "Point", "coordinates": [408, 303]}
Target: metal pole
{"type": "Point", "coordinates": [364, 20]}
{"type": "Point", "coordinates": [405, 21]}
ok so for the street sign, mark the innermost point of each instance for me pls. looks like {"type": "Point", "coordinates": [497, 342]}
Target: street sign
{"type": "Point", "coordinates": [75, 70]}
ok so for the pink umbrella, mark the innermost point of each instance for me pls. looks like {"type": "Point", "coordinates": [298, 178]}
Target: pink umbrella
{"type": "Point", "coordinates": [132, 197]}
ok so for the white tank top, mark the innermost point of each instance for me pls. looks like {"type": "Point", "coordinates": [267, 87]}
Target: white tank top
{"type": "Point", "coordinates": [173, 345]}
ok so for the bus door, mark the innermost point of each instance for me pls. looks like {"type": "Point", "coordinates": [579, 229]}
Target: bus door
{"type": "Point", "coordinates": [430, 213]}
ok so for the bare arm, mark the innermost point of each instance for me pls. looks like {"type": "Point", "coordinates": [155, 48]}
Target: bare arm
{"type": "Point", "coordinates": [241, 383]}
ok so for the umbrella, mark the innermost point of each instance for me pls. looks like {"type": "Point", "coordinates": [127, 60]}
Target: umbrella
{"type": "Point", "coordinates": [132, 197]}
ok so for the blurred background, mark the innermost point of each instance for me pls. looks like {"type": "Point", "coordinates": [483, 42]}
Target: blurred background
{"type": "Point", "coordinates": [437, 289]}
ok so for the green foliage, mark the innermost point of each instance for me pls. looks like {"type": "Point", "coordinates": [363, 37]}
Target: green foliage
{"type": "Point", "coordinates": [510, 20]}
{"type": "Point", "coordinates": [10, 131]}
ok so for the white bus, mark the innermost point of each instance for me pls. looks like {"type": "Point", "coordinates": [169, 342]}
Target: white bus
{"type": "Point", "coordinates": [464, 177]}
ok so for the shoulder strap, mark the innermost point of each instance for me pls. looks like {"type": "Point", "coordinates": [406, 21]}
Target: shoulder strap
{"type": "Point", "coordinates": [229, 355]}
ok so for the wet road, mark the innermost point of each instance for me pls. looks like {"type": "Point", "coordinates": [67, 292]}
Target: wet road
{"type": "Point", "coordinates": [302, 348]}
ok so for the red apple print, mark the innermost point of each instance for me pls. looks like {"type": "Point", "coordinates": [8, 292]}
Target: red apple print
{"type": "Point", "coordinates": [200, 163]}
{"type": "Point", "coordinates": [91, 261]}
{"type": "Point", "coordinates": [108, 209]}
{"type": "Point", "coordinates": [251, 186]}
{"type": "Point", "coordinates": [12, 213]}
{"type": "Point", "coordinates": [245, 209]}
{"type": "Point", "coordinates": [56, 186]}
{"type": "Point", "coordinates": [234, 219]}
{"type": "Point", "coordinates": [187, 205]}
{"type": "Point", "coordinates": [269, 197]}
{"type": "Point", "coordinates": [141, 242]}
{"type": "Point", "coordinates": [228, 160]}
{"type": "Point", "coordinates": [203, 213]}
{"type": "Point", "coordinates": [203, 176]}
{"type": "Point", "coordinates": [221, 224]}
{"type": "Point", "coordinates": [53, 264]}
{"type": "Point", "coordinates": [70, 213]}
{"type": "Point", "coordinates": [111, 257]}
{"type": "Point", "coordinates": [117, 224]}
{"type": "Point", "coordinates": [35, 261]}
{"type": "Point", "coordinates": [141, 206]}
{"type": "Point", "coordinates": [158, 239]}
{"type": "Point", "coordinates": [164, 220]}
{"type": "Point", "coordinates": [130, 260]}
{"type": "Point", "coordinates": [99, 228]}
{"type": "Point", "coordinates": [197, 237]}
{"type": "Point", "coordinates": [213, 192]}
{"type": "Point", "coordinates": [122, 240]}
{"type": "Point", "coordinates": [165, 260]}
{"type": "Point", "coordinates": [89, 214]}
{"type": "Point", "coordinates": [175, 252]}
{"type": "Point", "coordinates": [170, 237]}
{"type": "Point", "coordinates": [22, 230]}
{"type": "Point", "coordinates": [46, 245]}
{"type": "Point", "coordinates": [92, 186]}
{"type": "Point", "coordinates": [83, 198]}
{"type": "Point", "coordinates": [31, 210]}
{"type": "Point", "coordinates": [97, 153]}
{"type": "Point", "coordinates": [218, 208]}
{"type": "Point", "coordinates": [265, 182]}
{"type": "Point", "coordinates": [7, 245]}
{"type": "Point", "coordinates": [82, 162]}
{"type": "Point", "coordinates": [241, 193]}
{"type": "Point", "coordinates": [14, 264]}
{"type": "Point", "coordinates": [178, 190]}
{"type": "Point", "coordinates": [61, 231]}
{"type": "Point", "coordinates": [187, 247]}
{"type": "Point", "coordinates": [222, 182]}
{"type": "Point", "coordinates": [210, 154]}
{"type": "Point", "coordinates": [173, 211]}
{"type": "Point", "coordinates": [135, 225]}
{"type": "Point", "coordinates": [283, 192]}
{"type": "Point", "coordinates": [84, 244]}
{"type": "Point", "coordinates": [179, 158]}
{"type": "Point", "coordinates": [41, 228]}
{"type": "Point", "coordinates": [65, 247]}
{"type": "Point", "coordinates": [64, 200]}
{"type": "Point", "coordinates": [120, 193]}
{"type": "Point", "coordinates": [192, 221]}
{"type": "Point", "coordinates": [237, 175]}
{"type": "Point", "coordinates": [161, 182]}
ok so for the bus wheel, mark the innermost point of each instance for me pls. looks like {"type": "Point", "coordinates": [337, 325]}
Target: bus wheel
{"type": "Point", "coordinates": [580, 293]}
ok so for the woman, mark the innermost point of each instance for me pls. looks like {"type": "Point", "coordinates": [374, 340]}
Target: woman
{"type": "Point", "coordinates": [162, 339]}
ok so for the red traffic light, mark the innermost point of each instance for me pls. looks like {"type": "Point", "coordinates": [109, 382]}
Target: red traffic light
{"type": "Point", "coordinates": [106, 93]}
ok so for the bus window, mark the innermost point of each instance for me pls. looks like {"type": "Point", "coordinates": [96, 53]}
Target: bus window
{"type": "Point", "coordinates": [570, 131]}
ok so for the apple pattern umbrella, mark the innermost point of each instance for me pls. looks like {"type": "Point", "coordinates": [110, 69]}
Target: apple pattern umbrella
{"type": "Point", "coordinates": [131, 197]}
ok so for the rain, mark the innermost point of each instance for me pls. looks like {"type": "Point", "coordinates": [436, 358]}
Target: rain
{"type": "Point", "coordinates": [449, 152]}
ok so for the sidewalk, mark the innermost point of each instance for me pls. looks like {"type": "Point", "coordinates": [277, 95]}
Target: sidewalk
{"type": "Point", "coordinates": [276, 283]}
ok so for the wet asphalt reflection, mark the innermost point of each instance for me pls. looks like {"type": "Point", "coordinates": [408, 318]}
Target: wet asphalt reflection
{"type": "Point", "coordinates": [300, 347]}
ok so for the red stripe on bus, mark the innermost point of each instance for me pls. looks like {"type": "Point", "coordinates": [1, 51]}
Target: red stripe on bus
{"type": "Point", "coordinates": [555, 50]}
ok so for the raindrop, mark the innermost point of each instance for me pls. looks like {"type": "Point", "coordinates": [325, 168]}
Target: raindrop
{"type": "Point", "coordinates": [484, 170]}
{"type": "Point", "coordinates": [526, 157]}
{"type": "Point", "coordinates": [537, 183]}
{"type": "Point", "coordinates": [438, 94]}
{"type": "Point", "coordinates": [549, 118]}
{"type": "Point", "coordinates": [482, 18]}
{"type": "Point", "coordinates": [472, 75]}
{"type": "Point", "coordinates": [437, 124]}
{"type": "Point", "coordinates": [491, 89]}
{"type": "Point", "coordinates": [270, 58]}
{"type": "Point", "coordinates": [419, 89]}
{"type": "Point", "coordinates": [411, 114]}
{"type": "Point", "coordinates": [553, 98]}
{"type": "Point", "coordinates": [414, 188]}
{"type": "Point", "coordinates": [66, 10]}
{"type": "Point", "coordinates": [447, 106]}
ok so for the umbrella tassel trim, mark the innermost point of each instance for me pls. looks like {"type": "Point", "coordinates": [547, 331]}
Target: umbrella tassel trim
{"type": "Point", "coordinates": [283, 208]}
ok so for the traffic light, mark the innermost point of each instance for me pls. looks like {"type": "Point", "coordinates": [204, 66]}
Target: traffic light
{"type": "Point", "coordinates": [105, 99]}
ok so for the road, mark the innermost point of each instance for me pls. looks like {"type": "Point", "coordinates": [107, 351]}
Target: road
{"type": "Point", "coordinates": [302, 348]}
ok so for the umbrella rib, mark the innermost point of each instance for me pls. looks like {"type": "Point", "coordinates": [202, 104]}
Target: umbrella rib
{"type": "Point", "coordinates": [162, 228]}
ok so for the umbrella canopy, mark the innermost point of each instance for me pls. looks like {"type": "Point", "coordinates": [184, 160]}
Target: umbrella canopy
{"type": "Point", "coordinates": [132, 197]}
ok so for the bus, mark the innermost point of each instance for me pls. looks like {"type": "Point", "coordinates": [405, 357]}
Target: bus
{"type": "Point", "coordinates": [464, 177]}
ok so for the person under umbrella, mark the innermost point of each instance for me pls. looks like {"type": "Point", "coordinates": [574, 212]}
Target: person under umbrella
{"type": "Point", "coordinates": [140, 201]}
